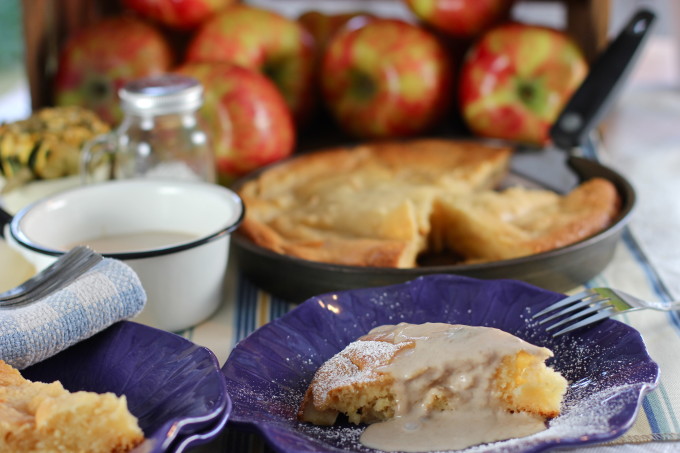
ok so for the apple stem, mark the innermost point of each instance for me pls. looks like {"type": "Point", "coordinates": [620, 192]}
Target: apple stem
{"type": "Point", "coordinates": [363, 85]}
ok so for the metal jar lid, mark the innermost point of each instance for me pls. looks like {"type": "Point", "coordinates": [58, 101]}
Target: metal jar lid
{"type": "Point", "coordinates": [161, 95]}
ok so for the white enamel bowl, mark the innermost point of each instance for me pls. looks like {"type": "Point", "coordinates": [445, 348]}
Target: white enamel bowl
{"type": "Point", "coordinates": [183, 280]}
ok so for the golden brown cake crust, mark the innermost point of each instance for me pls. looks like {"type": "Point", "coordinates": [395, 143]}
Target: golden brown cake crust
{"type": "Point", "coordinates": [518, 222]}
{"type": "Point", "coordinates": [352, 370]}
{"type": "Point", "coordinates": [383, 204]}
{"type": "Point", "coordinates": [363, 206]}
{"type": "Point", "coordinates": [426, 160]}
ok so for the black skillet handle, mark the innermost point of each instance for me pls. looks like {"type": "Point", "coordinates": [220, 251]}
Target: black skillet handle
{"type": "Point", "coordinates": [596, 93]}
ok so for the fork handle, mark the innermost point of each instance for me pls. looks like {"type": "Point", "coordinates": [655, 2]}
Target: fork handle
{"type": "Point", "coordinates": [672, 306]}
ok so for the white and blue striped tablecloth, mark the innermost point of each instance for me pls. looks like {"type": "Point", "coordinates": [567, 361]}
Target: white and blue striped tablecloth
{"type": "Point", "coordinates": [657, 427]}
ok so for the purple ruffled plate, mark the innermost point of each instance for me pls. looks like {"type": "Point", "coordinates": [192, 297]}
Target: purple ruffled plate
{"type": "Point", "coordinates": [267, 373]}
{"type": "Point", "coordinates": [174, 387]}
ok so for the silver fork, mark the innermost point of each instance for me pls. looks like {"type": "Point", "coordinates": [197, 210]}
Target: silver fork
{"type": "Point", "coordinates": [58, 275]}
{"type": "Point", "coordinates": [593, 305]}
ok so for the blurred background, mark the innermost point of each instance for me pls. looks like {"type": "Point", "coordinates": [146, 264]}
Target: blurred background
{"type": "Point", "coordinates": [641, 139]}
{"type": "Point", "coordinates": [661, 60]}
{"type": "Point", "coordinates": [14, 94]}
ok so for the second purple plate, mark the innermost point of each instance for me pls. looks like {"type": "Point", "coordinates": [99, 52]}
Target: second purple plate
{"type": "Point", "coordinates": [173, 387]}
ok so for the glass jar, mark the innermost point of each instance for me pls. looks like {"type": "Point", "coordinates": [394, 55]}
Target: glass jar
{"type": "Point", "coordinates": [160, 136]}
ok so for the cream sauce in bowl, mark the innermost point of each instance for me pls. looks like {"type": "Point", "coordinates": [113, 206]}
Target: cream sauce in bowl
{"type": "Point", "coordinates": [136, 241]}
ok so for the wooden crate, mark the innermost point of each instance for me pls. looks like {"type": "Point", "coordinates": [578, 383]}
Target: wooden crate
{"type": "Point", "coordinates": [47, 24]}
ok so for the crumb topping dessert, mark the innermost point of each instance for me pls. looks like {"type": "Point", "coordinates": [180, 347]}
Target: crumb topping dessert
{"type": "Point", "coordinates": [387, 204]}
{"type": "Point", "coordinates": [42, 417]}
{"type": "Point", "coordinates": [436, 386]}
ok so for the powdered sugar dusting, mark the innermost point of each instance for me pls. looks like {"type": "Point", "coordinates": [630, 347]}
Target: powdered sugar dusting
{"type": "Point", "coordinates": [347, 367]}
{"type": "Point", "coordinates": [587, 413]}
{"type": "Point", "coordinates": [581, 419]}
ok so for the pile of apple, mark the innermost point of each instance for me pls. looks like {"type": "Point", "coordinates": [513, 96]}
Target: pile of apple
{"type": "Point", "coordinates": [267, 77]}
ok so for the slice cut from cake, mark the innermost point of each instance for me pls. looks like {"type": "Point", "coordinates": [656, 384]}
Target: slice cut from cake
{"type": "Point", "coordinates": [490, 225]}
{"type": "Point", "coordinates": [437, 381]}
{"type": "Point", "coordinates": [42, 417]}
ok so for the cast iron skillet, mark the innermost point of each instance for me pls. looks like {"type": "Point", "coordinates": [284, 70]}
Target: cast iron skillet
{"type": "Point", "coordinates": [296, 280]}
{"type": "Point", "coordinates": [561, 269]}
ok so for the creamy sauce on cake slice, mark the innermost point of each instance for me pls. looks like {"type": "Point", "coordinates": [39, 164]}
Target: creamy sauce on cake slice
{"type": "Point", "coordinates": [436, 386]}
{"type": "Point", "coordinates": [445, 390]}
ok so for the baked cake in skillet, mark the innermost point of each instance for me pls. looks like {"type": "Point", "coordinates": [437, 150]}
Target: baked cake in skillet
{"type": "Point", "coordinates": [385, 204]}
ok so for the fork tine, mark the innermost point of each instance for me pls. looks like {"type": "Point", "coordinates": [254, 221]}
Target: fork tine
{"type": "Point", "coordinates": [604, 314]}
{"type": "Point", "coordinates": [75, 263]}
{"type": "Point", "coordinates": [67, 260]}
{"type": "Point", "coordinates": [42, 291]}
{"type": "Point", "coordinates": [39, 281]}
{"type": "Point", "coordinates": [566, 301]}
{"type": "Point", "coordinates": [78, 265]}
{"type": "Point", "coordinates": [572, 308]}
{"type": "Point", "coordinates": [590, 309]}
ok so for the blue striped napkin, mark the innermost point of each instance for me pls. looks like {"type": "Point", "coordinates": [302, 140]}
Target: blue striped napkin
{"type": "Point", "coordinates": [107, 293]}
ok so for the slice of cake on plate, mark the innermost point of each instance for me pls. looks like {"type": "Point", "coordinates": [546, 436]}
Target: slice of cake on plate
{"type": "Point", "coordinates": [436, 386]}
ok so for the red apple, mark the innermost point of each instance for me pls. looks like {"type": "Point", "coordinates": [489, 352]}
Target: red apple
{"type": "Point", "coordinates": [461, 18]}
{"type": "Point", "coordinates": [516, 79]}
{"type": "Point", "coordinates": [177, 14]}
{"type": "Point", "coordinates": [388, 78]}
{"type": "Point", "coordinates": [98, 60]}
{"type": "Point", "coordinates": [250, 124]}
{"type": "Point", "coordinates": [260, 39]}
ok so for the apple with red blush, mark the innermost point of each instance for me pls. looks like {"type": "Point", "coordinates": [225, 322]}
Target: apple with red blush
{"type": "Point", "coordinates": [256, 38]}
{"type": "Point", "coordinates": [462, 19]}
{"type": "Point", "coordinates": [177, 14]}
{"type": "Point", "coordinates": [99, 59]}
{"type": "Point", "coordinates": [389, 78]}
{"type": "Point", "coordinates": [516, 79]}
{"type": "Point", "coordinates": [248, 119]}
